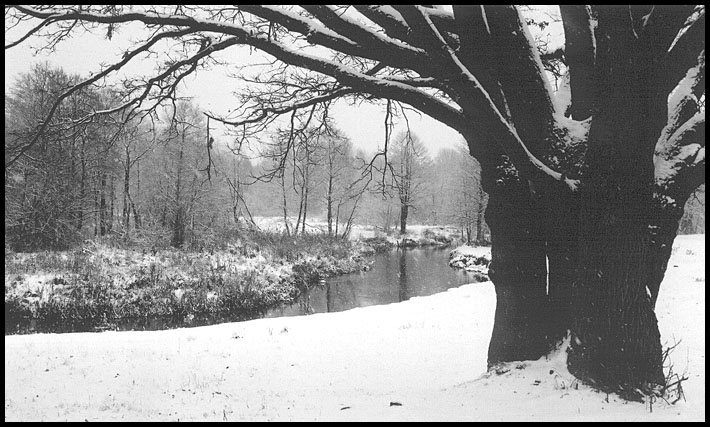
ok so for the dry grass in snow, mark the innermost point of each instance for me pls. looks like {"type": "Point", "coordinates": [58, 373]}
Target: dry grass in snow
{"type": "Point", "coordinates": [422, 359]}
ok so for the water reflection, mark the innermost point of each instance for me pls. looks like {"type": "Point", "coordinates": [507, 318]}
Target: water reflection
{"type": "Point", "coordinates": [395, 276]}
{"type": "Point", "coordinates": [403, 292]}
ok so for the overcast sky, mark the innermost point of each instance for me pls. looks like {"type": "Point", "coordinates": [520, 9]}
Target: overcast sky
{"type": "Point", "coordinates": [364, 125]}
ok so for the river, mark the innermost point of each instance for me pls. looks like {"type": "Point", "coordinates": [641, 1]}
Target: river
{"type": "Point", "coordinates": [395, 276]}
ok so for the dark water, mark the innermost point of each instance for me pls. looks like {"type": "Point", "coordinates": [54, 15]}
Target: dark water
{"type": "Point", "coordinates": [395, 276]}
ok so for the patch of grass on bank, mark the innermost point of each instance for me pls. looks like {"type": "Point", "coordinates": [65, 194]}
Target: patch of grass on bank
{"type": "Point", "coordinates": [98, 287]}
{"type": "Point", "coordinates": [379, 243]}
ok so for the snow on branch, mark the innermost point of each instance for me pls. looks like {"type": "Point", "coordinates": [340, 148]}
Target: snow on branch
{"type": "Point", "coordinates": [423, 32]}
{"type": "Point", "coordinates": [443, 20]}
{"type": "Point", "coordinates": [679, 162]}
{"type": "Point", "coordinates": [683, 54]}
{"type": "Point", "coordinates": [520, 71]}
{"type": "Point", "coordinates": [375, 47]}
{"type": "Point", "coordinates": [388, 19]}
{"type": "Point", "coordinates": [691, 132]}
{"type": "Point", "coordinates": [476, 100]}
{"type": "Point", "coordinates": [355, 31]}
{"type": "Point", "coordinates": [684, 100]}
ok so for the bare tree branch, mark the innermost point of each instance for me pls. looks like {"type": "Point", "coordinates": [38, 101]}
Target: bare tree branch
{"type": "Point", "coordinates": [127, 57]}
{"type": "Point", "coordinates": [29, 33]}
{"type": "Point", "coordinates": [261, 114]}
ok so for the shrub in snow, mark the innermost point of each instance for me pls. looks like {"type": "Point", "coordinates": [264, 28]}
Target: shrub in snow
{"type": "Point", "coordinates": [408, 243]}
{"type": "Point", "coordinates": [475, 259]}
{"type": "Point", "coordinates": [101, 287]}
{"type": "Point", "coordinates": [378, 244]}
{"type": "Point", "coordinates": [439, 235]}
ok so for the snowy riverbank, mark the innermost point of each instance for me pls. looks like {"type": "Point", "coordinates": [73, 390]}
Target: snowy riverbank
{"type": "Point", "coordinates": [422, 359]}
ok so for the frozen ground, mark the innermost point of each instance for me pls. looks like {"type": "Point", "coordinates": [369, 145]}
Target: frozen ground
{"type": "Point", "coordinates": [422, 359]}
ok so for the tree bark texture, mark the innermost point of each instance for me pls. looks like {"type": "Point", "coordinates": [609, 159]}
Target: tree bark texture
{"type": "Point", "coordinates": [522, 319]}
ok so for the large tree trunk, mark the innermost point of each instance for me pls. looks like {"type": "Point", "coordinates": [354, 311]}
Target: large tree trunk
{"type": "Point", "coordinates": [615, 336]}
{"type": "Point", "coordinates": [589, 262]}
{"type": "Point", "coordinates": [560, 218]}
{"type": "Point", "coordinates": [558, 266]}
{"type": "Point", "coordinates": [522, 329]}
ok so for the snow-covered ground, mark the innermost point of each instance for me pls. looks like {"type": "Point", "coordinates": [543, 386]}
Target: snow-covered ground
{"type": "Point", "coordinates": [422, 359]}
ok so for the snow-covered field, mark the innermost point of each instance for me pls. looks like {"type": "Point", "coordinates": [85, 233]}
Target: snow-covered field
{"type": "Point", "coordinates": [422, 359]}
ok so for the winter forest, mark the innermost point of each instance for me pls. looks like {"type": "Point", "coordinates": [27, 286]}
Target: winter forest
{"type": "Point", "coordinates": [169, 183]}
{"type": "Point", "coordinates": [354, 213]}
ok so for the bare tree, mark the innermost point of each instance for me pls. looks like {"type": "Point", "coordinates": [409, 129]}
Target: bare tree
{"type": "Point", "coordinates": [596, 196]}
{"type": "Point", "coordinates": [337, 162]}
{"type": "Point", "coordinates": [239, 171]}
{"type": "Point", "coordinates": [47, 186]}
{"type": "Point", "coordinates": [136, 142]}
{"type": "Point", "coordinates": [304, 162]}
{"type": "Point", "coordinates": [408, 163]}
{"type": "Point", "coordinates": [458, 197]}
